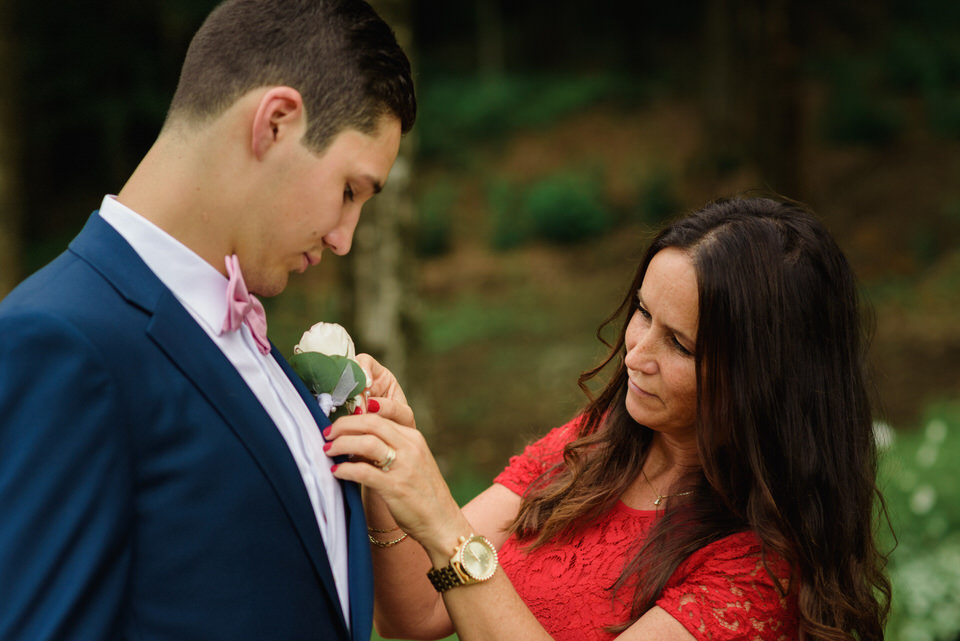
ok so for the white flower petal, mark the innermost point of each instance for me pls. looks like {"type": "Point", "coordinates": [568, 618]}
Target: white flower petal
{"type": "Point", "coordinates": [327, 338]}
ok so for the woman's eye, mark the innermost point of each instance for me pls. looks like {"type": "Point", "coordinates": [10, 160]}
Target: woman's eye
{"type": "Point", "coordinates": [680, 348]}
{"type": "Point", "coordinates": [347, 194]}
{"type": "Point", "coordinates": [644, 313]}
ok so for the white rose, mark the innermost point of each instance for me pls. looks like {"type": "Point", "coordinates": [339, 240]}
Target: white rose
{"type": "Point", "coordinates": [327, 338]}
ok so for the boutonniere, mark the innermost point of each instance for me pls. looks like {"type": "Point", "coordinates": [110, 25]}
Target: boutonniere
{"type": "Point", "coordinates": [324, 359]}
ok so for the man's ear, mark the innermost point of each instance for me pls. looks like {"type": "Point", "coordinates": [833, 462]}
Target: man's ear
{"type": "Point", "coordinates": [278, 116]}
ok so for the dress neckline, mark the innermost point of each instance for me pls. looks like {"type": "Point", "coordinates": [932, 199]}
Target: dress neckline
{"type": "Point", "coordinates": [636, 511]}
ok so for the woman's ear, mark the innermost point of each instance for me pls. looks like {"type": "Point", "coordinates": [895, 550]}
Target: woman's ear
{"type": "Point", "coordinates": [279, 115]}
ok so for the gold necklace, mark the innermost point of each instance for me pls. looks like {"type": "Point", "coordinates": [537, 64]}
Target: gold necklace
{"type": "Point", "coordinates": [660, 497]}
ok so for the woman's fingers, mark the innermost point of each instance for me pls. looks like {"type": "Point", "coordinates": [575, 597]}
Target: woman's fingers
{"type": "Point", "coordinates": [375, 440]}
{"type": "Point", "coordinates": [380, 425]}
{"type": "Point", "coordinates": [383, 383]}
{"type": "Point", "coordinates": [371, 449]}
{"type": "Point", "coordinates": [393, 410]}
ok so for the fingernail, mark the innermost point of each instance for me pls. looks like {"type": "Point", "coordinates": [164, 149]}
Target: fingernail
{"type": "Point", "coordinates": [359, 410]}
{"type": "Point", "coordinates": [327, 446]}
{"type": "Point", "coordinates": [373, 406]}
{"type": "Point", "coordinates": [326, 432]}
{"type": "Point", "coordinates": [333, 468]}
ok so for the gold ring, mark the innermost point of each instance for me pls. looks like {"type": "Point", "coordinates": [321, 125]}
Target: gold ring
{"type": "Point", "coordinates": [388, 459]}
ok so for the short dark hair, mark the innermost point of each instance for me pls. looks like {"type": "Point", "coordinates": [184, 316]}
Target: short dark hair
{"type": "Point", "coordinates": [339, 54]}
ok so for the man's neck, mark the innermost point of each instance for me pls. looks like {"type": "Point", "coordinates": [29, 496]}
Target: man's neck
{"type": "Point", "coordinates": [171, 188]}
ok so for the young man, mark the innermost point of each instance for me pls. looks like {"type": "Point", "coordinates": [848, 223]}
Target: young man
{"type": "Point", "coordinates": [161, 468]}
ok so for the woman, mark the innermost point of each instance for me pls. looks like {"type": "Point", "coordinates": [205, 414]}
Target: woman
{"type": "Point", "coordinates": [721, 486]}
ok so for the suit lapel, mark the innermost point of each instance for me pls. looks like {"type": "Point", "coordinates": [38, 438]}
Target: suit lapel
{"type": "Point", "coordinates": [186, 344]}
{"type": "Point", "coordinates": [360, 567]}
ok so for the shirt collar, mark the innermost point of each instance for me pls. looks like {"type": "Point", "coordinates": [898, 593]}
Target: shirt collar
{"type": "Point", "coordinates": [195, 283]}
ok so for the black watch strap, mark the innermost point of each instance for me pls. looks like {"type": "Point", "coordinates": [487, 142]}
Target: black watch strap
{"type": "Point", "coordinates": [444, 578]}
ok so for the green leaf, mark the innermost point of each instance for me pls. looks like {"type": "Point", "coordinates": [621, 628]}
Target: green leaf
{"type": "Point", "coordinates": [321, 372]}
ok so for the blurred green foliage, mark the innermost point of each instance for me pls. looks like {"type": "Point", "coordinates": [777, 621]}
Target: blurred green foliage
{"type": "Point", "coordinates": [658, 198]}
{"type": "Point", "coordinates": [943, 111]}
{"type": "Point", "coordinates": [434, 215]}
{"type": "Point", "coordinates": [468, 320]}
{"type": "Point", "coordinates": [508, 228]}
{"type": "Point", "coordinates": [457, 112]}
{"type": "Point", "coordinates": [918, 475]}
{"type": "Point", "coordinates": [870, 89]}
{"type": "Point", "coordinates": [856, 110]}
{"type": "Point", "coordinates": [567, 208]}
{"type": "Point", "coordinates": [562, 208]}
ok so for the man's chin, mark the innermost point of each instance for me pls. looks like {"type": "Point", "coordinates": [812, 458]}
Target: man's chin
{"type": "Point", "coordinates": [271, 288]}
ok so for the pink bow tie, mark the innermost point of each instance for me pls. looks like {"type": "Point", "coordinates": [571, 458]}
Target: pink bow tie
{"type": "Point", "coordinates": [243, 307]}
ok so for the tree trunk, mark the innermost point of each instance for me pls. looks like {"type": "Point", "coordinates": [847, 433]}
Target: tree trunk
{"type": "Point", "coordinates": [722, 102]}
{"type": "Point", "coordinates": [11, 203]}
{"type": "Point", "coordinates": [490, 43]}
{"type": "Point", "coordinates": [779, 123]}
{"type": "Point", "coordinates": [379, 274]}
{"type": "Point", "coordinates": [751, 101]}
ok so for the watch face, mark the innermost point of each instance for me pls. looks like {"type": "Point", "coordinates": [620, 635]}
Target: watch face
{"type": "Point", "coordinates": [478, 559]}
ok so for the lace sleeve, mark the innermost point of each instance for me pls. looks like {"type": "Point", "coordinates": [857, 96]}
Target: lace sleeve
{"type": "Point", "coordinates": [523, 469]}
{"type": "Point", "coordinates": [723, 592]}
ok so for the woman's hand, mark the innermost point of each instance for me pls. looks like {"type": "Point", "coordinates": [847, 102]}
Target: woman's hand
{"type": "Point", "coordinates": [384, 383]}
{"type": "Point", "coordinates": [412, 488]}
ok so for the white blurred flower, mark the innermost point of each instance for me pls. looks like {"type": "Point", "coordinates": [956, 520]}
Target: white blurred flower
{"type": "Point", "coordinates": [327, 338]}
{"type": "Point", "coordinates": [927, 454]}
{"type": "Point", "coordinates": [884, 435]}
{"type": "Point", "coordinates": [923, 499]}
{"type": "Point", "coordinates": [936, 431]}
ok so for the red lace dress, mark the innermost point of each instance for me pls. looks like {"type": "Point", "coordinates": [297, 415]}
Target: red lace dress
{"type": "Point", "coordinates": [721, 592]}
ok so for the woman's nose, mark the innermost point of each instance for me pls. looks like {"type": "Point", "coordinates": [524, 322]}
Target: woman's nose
{"type": "Point", "coordinates": [641, 355]}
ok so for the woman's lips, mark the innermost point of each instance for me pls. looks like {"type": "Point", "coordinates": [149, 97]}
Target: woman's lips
{"type": "Point", "coordinates": [637, 390]}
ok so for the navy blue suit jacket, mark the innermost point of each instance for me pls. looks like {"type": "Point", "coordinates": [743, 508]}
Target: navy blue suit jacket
{"type": "Point", "coordinates": [144, 492]}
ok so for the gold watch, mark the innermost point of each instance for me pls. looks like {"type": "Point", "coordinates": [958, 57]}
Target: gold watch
{"type": "Point", "coordinates": [474, 560]}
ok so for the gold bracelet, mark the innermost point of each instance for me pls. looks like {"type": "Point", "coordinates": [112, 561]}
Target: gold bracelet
{"type": "Point", "coordinates": [387, 544]}
{"type": "Point", "coordinates": [379, 531]}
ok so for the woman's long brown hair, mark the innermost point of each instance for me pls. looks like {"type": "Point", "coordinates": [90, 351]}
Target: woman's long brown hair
{"type": "Point", "coordinates": [785, 430]}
